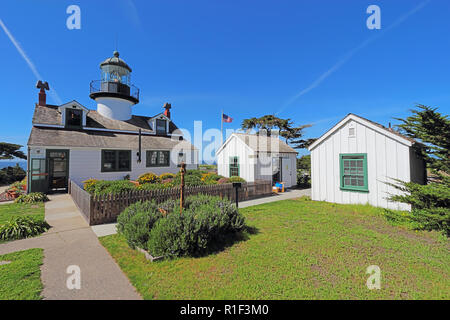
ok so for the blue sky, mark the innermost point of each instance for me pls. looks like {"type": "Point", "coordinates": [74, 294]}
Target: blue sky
{"type": "Point", "coordinates": [249, 58]}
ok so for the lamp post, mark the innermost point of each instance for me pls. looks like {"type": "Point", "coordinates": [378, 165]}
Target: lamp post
{"type": "Point", "coordinates": [182, 172]}
{"type": "Point", "coordinates": [236, 186]}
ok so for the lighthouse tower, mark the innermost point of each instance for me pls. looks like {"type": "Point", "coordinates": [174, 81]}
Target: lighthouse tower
{"type": "Point", "coordinates": [114, 93]}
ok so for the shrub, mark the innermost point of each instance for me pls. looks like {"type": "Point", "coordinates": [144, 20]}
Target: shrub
{"type": "Point", "coordinates": [211, 178]}
{"type": "Point", "coordinates": [237, 179]}
{"type": "Point", "coordinates": [118, 186]}
{"type": "Point", "coordinates": [166, 237]}
{"type": "Point", "coordinates": [136, 221]}
{"type": "Point", "coordinates": [22, 227]}
{"type": "Point", "coordinates": [303, 179]}
{"type": "Point", "coordinates": [89, 185]}
{"type": "Point", "coordinates": [32, 197]}
{"type": "Point", "coordinates": [154, 186]}
{"type": "Point", "coordinates": [429, 204]}
{"type": "Point", "coordinates": [167, 181]}
{"type": "Point", "coordinates": [11, 174]}
{"type": "Point", "coordinates": [203, 226]}
{"type": "Point", "coordinates": [148, 177]}
{"type": "Point", "coordinates": [189, 180]}
{"type": "Point", "coordinates": [223, 180]}
{"type": "Point", "coordinates": [166, 176]}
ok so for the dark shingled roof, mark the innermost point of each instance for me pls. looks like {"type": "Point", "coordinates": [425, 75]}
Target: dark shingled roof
{"type": "Point", "coordinates": [50, 115]}
{"type": "Point", "coordinates": [99, 139]}
{"type": "Point", "coordinates": [264, 143]}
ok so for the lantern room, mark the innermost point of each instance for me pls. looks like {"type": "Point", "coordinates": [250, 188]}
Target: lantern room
{"type": "Point", "coordinates": [114, 92]}
{"type": "Point", "coordinates": [115, 69]}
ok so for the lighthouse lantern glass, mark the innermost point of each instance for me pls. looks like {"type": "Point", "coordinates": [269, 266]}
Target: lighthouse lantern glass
{"type": "Point", "coordinates": [114, 73]}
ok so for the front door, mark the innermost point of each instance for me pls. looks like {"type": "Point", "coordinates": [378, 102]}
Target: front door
{"type": "Point", "coordinates": [58, 170]}
{"type": "Point", "coordinates": [286, 171]}
{"type": "Point", "coordinates": [276, 170]}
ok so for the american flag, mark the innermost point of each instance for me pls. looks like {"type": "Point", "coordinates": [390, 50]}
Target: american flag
{"type": "Point", "coordinates": [226, 118]}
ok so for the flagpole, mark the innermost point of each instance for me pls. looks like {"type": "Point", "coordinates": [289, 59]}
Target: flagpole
{"type": "Point", "coordinates": [221, 128]}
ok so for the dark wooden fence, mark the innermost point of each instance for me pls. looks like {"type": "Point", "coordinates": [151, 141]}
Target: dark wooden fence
{"type": "Point", "coordinates": [98, 209]}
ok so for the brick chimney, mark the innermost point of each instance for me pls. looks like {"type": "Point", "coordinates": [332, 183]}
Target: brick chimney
{"type": "Point", "coordinates": [167, 106]}
{"type": "Point", "coordinates": [42, 95]}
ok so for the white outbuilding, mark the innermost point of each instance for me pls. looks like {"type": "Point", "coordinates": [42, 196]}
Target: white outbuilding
{"type": "Point", "coordinates": [257, 157]}
{"type": "Point", "coordinates": [352, 162]}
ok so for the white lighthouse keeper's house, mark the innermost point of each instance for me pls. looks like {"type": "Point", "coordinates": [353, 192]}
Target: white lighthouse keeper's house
{"type": "Point", "coordinates": [73, 142]}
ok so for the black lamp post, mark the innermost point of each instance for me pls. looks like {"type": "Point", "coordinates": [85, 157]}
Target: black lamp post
{"type": "Point", "coordinates": [236, 186]}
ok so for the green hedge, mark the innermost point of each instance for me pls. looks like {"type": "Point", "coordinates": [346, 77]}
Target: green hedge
{"type": "Point", "coordinates": [115, 186]}
{"type": "Point", "coordinates": [153, 182]}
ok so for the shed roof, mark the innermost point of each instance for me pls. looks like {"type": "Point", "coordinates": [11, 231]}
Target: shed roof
{"type": "Point", "coordinates": [261, 143]}
{"type": "Point", "coordinates": [374, 125]}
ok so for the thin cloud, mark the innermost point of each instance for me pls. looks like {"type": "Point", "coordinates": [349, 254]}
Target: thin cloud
{"type": "Point", "coordinates": [351, 53]}
{"type": "Point", "coordinates": [133, 13]}
{"type": "Point", "coordinates": [27, 60]}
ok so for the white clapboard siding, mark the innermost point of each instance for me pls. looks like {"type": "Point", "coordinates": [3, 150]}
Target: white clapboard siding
{"type": "Point", "coordinates": [235, 147]}
{"type": "Point", "coordinates": [85, 163]}
{"type": "Point", "coordinates": [388, 157]}
{"type": "Point", "coordinates": [254, 165]}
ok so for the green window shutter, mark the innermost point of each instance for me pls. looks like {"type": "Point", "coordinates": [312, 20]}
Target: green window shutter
{"type": "Point", "coordinates": [353, 172]}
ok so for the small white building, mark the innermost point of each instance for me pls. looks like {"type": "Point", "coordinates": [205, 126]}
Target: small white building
{"type": "Point", "coordinates": [73, 142]}
{"type": "Point", "coordinates": [257, 157]}
{"type": "Point", "coordinates": [352, 162]}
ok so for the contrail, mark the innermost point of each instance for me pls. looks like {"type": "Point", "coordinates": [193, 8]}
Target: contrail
{"type": "Point", "coordinates": [27, 60]}
{"type": "Point", "coordinates": [351, 53]}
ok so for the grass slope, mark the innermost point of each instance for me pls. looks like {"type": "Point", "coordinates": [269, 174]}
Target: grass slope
{"type": "Point", "coordinates": [7, 211]}
{"type": "Point", "coordinates": [21, 279]}
{"type": "Point", "coordinates": [301, 250]}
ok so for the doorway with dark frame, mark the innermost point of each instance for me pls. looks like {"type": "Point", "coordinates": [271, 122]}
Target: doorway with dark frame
{"type": "Point", "coordinates": [58, 170]}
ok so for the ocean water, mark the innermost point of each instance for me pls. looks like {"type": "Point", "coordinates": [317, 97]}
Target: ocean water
{"type": "Point", "coordinates": [4, 164]}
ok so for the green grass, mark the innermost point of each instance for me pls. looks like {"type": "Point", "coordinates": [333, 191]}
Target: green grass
{"type": "Point", "coordinates": [301, 250]}
{"type": "Point", "coordinates": [8, 211]}
{"type": "Point", "coordinates": [21, 279]}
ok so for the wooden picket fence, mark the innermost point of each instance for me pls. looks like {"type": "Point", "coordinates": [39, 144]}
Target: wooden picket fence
{"type": "Point", "coordinates": [99, 209]}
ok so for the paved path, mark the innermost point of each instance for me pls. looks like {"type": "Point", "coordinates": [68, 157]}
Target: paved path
{"type": "Point", "coordinates": [71, 241]}
{"type": "Point", "coordinates": [110, 228]}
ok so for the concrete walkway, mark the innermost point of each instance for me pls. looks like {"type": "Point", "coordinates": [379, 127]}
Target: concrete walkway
{"type": "Point", "coordinates": [110, 228]}
{"type": "Point", "coordinates": [71, 242]}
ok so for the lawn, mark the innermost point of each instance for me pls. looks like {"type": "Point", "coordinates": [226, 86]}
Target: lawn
{"type": "Point", "coordinates": [301, 249]}
{"type": "Point", "coordinates": [7, 211]}
{"type": "Point", "coordinates": [21, 279]}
